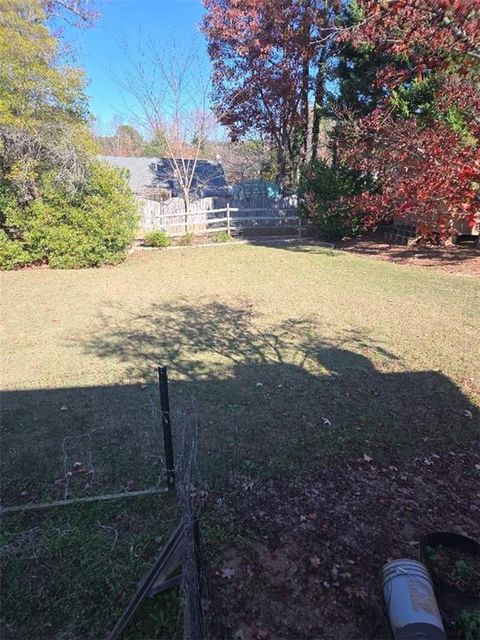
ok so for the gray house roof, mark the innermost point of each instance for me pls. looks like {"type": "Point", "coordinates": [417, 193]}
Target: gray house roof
{"type": "Point", "coordinates": [149, 173]}
{"type": "Point", "coordinates": [140, 172]}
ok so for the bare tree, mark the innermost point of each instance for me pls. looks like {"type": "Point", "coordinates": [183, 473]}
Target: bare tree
{"type": "Point", "coordinates": [171, 89]}
{"type": "Point", "coordinates": [250, 159]}
{"type": "Point", "coordinates": [79, 13]}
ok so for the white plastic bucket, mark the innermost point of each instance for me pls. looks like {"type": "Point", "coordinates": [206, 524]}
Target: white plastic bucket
{"type": "Point", "coordinates": [409, 596]}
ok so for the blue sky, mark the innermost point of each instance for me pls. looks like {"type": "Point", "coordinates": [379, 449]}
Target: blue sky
{"type": "Point", "coordinates": [98, 49]}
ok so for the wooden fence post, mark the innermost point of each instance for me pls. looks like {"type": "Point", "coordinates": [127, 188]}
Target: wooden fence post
{"type": "Point", "coordinates": [228, 220]}
{"type": "Point", "coordinates": [299, 226]}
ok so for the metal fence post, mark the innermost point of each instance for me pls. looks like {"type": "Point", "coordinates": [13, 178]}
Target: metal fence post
{"type": "Point", "coordinates": [299, 226]}
{"type": "Point", "coordinates": [167, 426]}
{"type": "Point", "coordinates": [228, 220]}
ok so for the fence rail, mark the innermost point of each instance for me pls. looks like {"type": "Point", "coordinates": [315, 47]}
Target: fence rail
{"type": "Point", "coordinates": [210, 220]}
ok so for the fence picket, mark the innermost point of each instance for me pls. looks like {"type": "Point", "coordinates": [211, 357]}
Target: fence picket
{"type": "Point", "coordinates": [201, 217]}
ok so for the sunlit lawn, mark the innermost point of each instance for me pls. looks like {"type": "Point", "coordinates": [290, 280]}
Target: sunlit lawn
{"type": "Point", "coordinates": [291, 356]}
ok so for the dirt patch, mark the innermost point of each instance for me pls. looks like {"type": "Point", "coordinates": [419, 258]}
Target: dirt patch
{"type": "Point", "coordinates": [305, 556]}
{"type": "Point", "coordinates": [459, 259]}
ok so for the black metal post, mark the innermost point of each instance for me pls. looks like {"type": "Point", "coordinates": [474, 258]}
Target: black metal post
{"type": "Point", "coordinates": [167, 426]}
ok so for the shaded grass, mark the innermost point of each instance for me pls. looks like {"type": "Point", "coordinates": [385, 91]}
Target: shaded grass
{"type": "Point", "coordinates": [295, 356]}
{"type": "Point", "coordinates": [72, 570]}
{"type": "Point", "coordinates": [270, 341]}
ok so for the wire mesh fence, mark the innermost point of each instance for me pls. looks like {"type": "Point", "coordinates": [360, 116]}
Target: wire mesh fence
{"type": "Point", "coordinates": [75, 443]}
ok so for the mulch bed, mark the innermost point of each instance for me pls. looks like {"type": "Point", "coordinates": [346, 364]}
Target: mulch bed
{"type": "Point", "coordinates": [305, 554]}
{"type": "Point", "coordinates": [463, 259]}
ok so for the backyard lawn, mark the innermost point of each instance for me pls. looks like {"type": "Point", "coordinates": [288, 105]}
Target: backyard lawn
{"type": "Point", "coordinates": [307, 368]}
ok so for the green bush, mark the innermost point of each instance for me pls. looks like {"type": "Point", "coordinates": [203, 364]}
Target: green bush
{"type": "Point", "coordinates": [157, 239]}
{"type": "Point", "coordinates": [324, 188]}
{"type": "Point", "coordinates": [221, 236]}
{"type": "Point", "coordinates": [90, 227]}
{"type": "Point", "coordinates": [12, 255]}
{"type": "Point", "coordinates": [470, 621]}
{"type": "Point", "coordinates": [336, 222]}
{"type": "Point", "coordinates": [187, 238]}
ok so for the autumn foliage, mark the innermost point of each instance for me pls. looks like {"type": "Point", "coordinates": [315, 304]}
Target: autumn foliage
{"type": "Point", "coordinates": [427, 174]}
{"type": "Point", "coordinates": [421, 141]}
{"type": "Point", "coordinates": [267, 58]}
{"type": "Point", "coordinates": [416, 130]}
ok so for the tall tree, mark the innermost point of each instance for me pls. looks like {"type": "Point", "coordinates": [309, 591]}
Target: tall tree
{"type": "Point", "coordinates": [268, 58]}
{"type": "Point", "coordinates": [171, 89]}
{"type": "Point", "coordinates": [43, 109]}
{"type": "Point", "coordinates": [353, 68]}
{"type": "Point", "coordinates": [57, 204]}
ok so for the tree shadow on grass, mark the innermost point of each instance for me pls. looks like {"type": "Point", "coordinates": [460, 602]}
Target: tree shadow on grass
{"type": "Point", "coordinates": [461, 258]}
{"type": "Point", "coordinates": [375, 245]}
{"type": "Point", "coordinates": [274, 397]}
{"type": "Point", "coordinates": [270, 399]}
{"type": "Point", "coordinates": [297, 245]}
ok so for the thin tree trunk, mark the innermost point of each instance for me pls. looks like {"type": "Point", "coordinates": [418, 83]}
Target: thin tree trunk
{"type": "Point", "coordinates": [334, 144]}
{"type": "Point", "coordinates": [317, 105]}
{"type": "Point", "coordinates": [282, 165]}
{"type": "Point", "coordinates": [186, 203]}
{"type": "Point", "coordinates": [305, 109]}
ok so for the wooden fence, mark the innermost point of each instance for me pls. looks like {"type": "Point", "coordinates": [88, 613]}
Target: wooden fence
{"type": "Point", "coordinates": [204, 218]}
{"type": "Point", "coordinates": [170, 216]}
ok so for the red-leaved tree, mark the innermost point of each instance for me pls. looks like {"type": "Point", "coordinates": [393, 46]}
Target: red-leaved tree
{"type": "Point", "coordinates": [268, 58]}
{"type": "Point", "coordinates": [421, 143]}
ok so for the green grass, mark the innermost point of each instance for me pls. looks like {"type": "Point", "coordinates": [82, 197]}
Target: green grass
{"type": "Point", "coordinates": [291, 356]}
{"type": "Point", "coordinates": [73, 570]}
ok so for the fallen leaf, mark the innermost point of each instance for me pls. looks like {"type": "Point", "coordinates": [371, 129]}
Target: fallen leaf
{"type": "Point", "coordinates": [367, 458]}
{"type": "Point", "coordinates": [228, 573]}
{"type": "Point", "coordinates": [64, 407]}
{"type": "Point", "coordinates": [468, 414]}
{"type": "Point", "coordinates": [326, 422]}
{"type": "Point", "coordinates": [315, 562]}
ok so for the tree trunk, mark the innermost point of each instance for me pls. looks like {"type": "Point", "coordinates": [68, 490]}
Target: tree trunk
{"type": "Point", "coordinates": [317, 105]}
{"type": "Point", "coordinates": [282, 165]}
{"type": "Point", "coordinates": [305, 109]}
{"type": "Point", "coordinates": [334, 144]}
{"type": "Point", "coordinates": [186, 204]}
